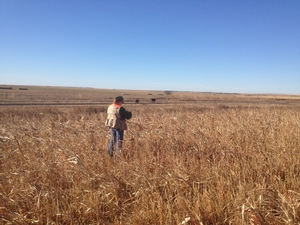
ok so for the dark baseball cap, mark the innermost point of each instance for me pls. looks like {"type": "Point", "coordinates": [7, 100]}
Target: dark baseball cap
{"type": "Point", "coordinates": [119, 99]}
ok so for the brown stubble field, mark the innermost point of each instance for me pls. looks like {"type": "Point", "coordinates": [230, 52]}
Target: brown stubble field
{"type": "Point", "coordinates": [203, 158]}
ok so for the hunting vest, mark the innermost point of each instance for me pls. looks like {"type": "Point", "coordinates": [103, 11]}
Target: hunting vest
{"type": "Point", "coordinates": [114, 120]}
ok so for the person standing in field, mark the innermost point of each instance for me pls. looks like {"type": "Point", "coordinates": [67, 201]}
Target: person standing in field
{"type": "Point", "coordinates": [116, 121]}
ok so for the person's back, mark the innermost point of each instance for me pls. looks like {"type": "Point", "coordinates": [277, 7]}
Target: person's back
{"type": "Point", "coordinates": [114, 118]}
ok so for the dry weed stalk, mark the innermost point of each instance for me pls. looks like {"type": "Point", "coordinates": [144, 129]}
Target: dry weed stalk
{"type": "Point", "coordinates": [201, 163]}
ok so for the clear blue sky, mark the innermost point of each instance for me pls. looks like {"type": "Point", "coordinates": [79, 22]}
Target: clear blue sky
{"type": "Point", "coordinates": [188, 45]}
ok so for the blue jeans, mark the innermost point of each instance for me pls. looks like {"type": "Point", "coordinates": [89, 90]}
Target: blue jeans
{"type": "Point", "coordinates": [116, 138]}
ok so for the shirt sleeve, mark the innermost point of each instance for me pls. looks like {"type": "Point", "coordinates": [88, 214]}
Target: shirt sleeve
{"type": "Point", "coordinates": [125, 114]}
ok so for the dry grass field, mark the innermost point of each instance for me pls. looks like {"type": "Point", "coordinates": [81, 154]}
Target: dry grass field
{"type": "Point", "coordinates": [189, 158]}
{"type": "Point", "coordinates": [66, 96]}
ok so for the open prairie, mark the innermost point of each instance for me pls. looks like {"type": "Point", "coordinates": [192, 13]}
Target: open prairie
{"type": "Point", "coordinates": [66, 96]}
{"type": "Point", "coordinates": [189, 158]}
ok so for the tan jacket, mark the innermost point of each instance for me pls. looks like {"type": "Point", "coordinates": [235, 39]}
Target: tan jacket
{"type": "Point", "coordinates": [114, 120]}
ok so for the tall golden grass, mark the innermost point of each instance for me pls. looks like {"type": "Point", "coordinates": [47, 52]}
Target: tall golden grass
{"type": "Point", "coordinates": [179, 165]}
